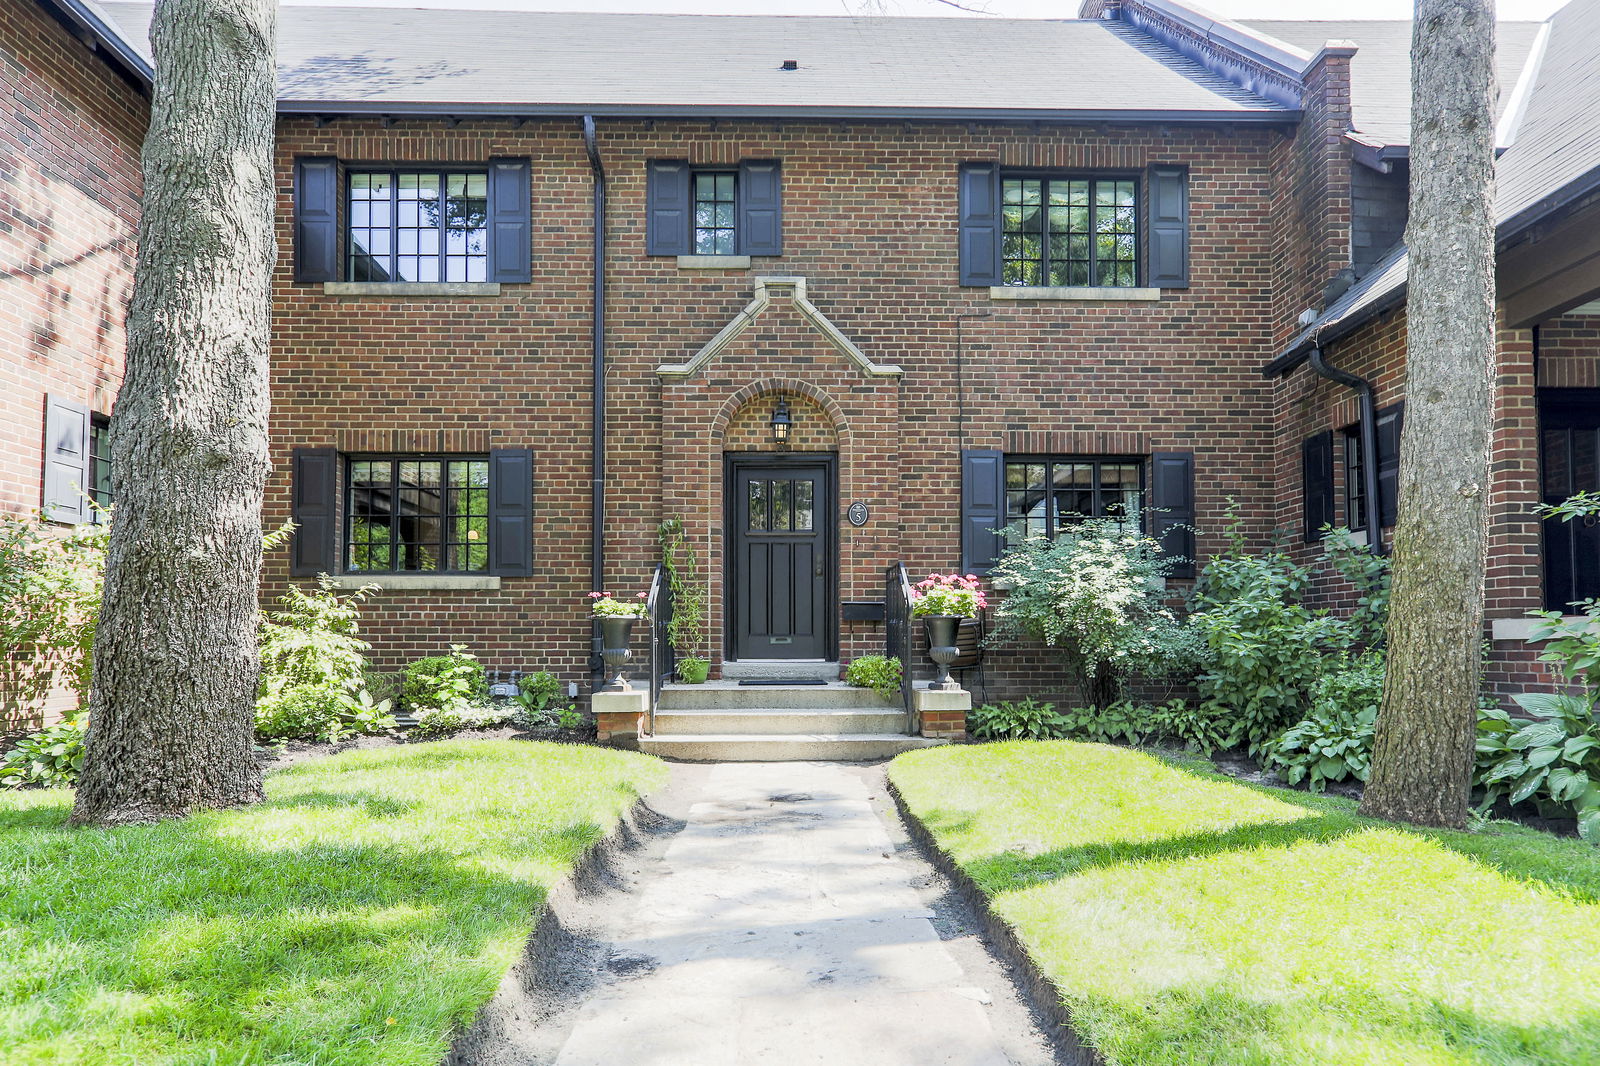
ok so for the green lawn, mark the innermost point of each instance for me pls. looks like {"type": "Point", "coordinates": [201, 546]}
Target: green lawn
{"type": "Point", "coordinates": [1187, 918]}
{"type": "Point", "coordinates": [369, 906]}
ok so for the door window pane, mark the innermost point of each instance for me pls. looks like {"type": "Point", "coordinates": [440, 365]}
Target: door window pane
{"type": "Point", "coordinates": [804, 505]}
{"type": "Point", "coordinates": [756, 505]}
{"type": "Point", "coordinates": [782, 498]}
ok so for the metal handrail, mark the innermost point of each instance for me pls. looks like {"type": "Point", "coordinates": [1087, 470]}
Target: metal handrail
{"type": "Point", "coordinates": [897, 635]}
{"type": "Point", "coordinates": [658, 609]}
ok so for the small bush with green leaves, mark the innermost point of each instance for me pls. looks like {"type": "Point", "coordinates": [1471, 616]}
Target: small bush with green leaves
{"type": "Point", "coordinates": [1334, 742]}
{"type": "Point", "coordinates": [51, 757]}
{"type": "Point", "coordinates": [541, 701]}
{"type": "Point", "coordinates": [1026, 719]}
{"type": "Point", "coordinates": [1555, 758]}
{"type": "Point", "coordinates": [880, 673]}
{"type": "Point", "coordinates": [1200, 727]}
{"type": "Point", "coordinates": [441, 722]}
{"type": "Point", "coordinates": [440, 682]}
{"type": "Point", "coordinates": [311, 641]}
{"type": "Point", "coordinates": [321, 712]}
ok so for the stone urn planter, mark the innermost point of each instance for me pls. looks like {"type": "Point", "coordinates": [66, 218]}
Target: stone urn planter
{"type": "Point", "coordinates": [942, 649]}
{"type": "Point", "coordinates": [616, 636]}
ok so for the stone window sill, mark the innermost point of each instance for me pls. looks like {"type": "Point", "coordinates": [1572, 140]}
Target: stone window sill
{"type": "Point", "coordinates": [420, 582]}
{"type": "Point", "coordinates": [1519, 628]}
{"type": "Point", "coordinates": [713, 262]}
{"type": "Point", "coordinates": [411, 288]}
{"type": "Point", "coordinates": [1075, 292]}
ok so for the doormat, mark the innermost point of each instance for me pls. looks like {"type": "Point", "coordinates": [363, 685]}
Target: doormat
{"type": "Point", "coordinates": [784, 681]}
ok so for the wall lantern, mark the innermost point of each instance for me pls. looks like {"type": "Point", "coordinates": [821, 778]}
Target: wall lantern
{"type": "Point", "coordinates": [781, 423]}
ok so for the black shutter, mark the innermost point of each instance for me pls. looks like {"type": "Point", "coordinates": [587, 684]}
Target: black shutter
{"type": "Point", "coordinates": [1316, 486]}
{"type": "Point", "coordinates": [66, 460]}
{"type": "Point", "coordinates": [511, 511]}
{"type": "Point", "coordinates": [1169, 228]}
{"type": "Point", "coordinates": [983, 508]}
{"type": "Point", "coordinates": [667, 208]}
{"type": "Point", "coordinates": [511, 225]}
{"type": "Point", "coordinates": [1390, 421]}
{"type": "Point", "coordinates": [314, 506]}
{"type": "Point", "coordinates": [979, 215]}
{"type": "Point", "coordinates": [316, 218]}
{"type": "Point", "coordinates": [1172, 507]}
{"type": "Point", "coordinates": [760, 223]}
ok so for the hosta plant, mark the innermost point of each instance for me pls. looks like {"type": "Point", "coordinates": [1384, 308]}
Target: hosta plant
{"type": "Point", "coordinates": [1016, 720]}
{"type": "Point", "coordinates": [1555, 757]}
{"type": "Point", "coordinates": [50, 757]}
{"type": "Point", "coordinates": [440, 682]}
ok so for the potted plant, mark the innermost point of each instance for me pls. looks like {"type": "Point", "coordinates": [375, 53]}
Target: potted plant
{"type": "Point", "coordinates": [942, 601]}
{"type": "Point", "coordinates": [686, 629]}
{"type": "Point", "coordinates": [616, 632]}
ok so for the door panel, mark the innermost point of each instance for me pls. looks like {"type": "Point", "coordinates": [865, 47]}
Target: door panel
{"type": "Point", "coordinates": [780, 561]}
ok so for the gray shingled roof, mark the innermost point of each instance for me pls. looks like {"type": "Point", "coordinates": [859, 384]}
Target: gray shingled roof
{"type": "Point", "coordinates": [1380, 73]}
{"type": "Point", "coordinates": [1554, 155]}
{"type": "Point", "coordinates": [540, 62]}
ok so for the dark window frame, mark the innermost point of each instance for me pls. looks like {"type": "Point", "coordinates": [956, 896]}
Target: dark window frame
{"type": "Point", "coordinates": [99, 456]}
{"type": "Point", "coordinates": [444, 543]}
{"type": "Point", "coordinates": [1355, 485]}
{"type": "Point", "coordinates": [393, 172]}
{"type": "Point", "coordinates": [732, 228]}
{"type": "Point", "coordinates": [1050, 460]}
{"type": "Point", "coordinates": [1141, 212]}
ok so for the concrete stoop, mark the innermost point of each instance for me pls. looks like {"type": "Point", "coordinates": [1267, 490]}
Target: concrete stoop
{"type": "Point", "coordinates": [726, 722]}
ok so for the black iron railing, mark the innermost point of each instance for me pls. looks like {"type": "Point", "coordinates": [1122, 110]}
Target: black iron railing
{"type": "Point", "coordinates": [898, 636]}
{"type": "Point", "coordinates": [658, 609]}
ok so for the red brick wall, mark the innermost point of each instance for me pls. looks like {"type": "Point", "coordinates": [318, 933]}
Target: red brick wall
{"type": "Point", "coordinates": [869, 221]}
{"type": "Point", "coordinates": [69, 208]}
{"type": "Point", "coordinates": [70, 130]}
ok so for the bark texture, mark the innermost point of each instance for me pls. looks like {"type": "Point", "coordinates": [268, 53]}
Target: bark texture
{"type": "Point", "coordinates": [175, 668]}
{"type": "Point", "coordinates": [1423, 750]}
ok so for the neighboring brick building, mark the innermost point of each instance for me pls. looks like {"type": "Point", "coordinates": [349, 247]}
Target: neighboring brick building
{"type": "Point", "coordinates": [831, 216]}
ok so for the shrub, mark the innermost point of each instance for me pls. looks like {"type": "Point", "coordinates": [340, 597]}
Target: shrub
{"type": "Point", "coordinates": [52, 756]}
{"type": "Point", "coordinates": [1334, 742]}
{"type": "Point", "coordinates": [1202, 727]}
{"type": "Point", "coordinates": [1555, 758]}
{"type": "Point", "coordinates": [541, 701]}
{"type": "Point", "coordinates": [1094, 595]}
{"type": "Point", "coordinates": [310, 640]}
{"type": "Point", "coordinates": [321, 712]}
{"type": "Point", "coordinates": [440, 682]}
{"type": "Point", "coordinates": [1019, 720]}
{"type": "Point", "coordinates": [880, 673]}
{"type": "Point", "coordinates": [50, 585]}
{"type": "Point", "coordinates": [1197, 726]}
{"type": "Point", "coordinates": [1368, 574]}
{"type": "Point", "coordinates": [441, 722]}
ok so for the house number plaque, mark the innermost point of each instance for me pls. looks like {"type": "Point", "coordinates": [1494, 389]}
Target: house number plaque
{"type": "Point", "coordinates": [858, 514]}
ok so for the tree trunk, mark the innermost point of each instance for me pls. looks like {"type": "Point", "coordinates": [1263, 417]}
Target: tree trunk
{"type": "Point", "coordinates": [175, 670]}
{"type": "Point", "coordinates": [1423, 750]}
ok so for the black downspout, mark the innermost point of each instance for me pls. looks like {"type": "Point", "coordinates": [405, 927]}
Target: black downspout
{"type": "Point", "coordinates": [597, 487]}
{"type": "Point", "coordinates": [1369, 443]}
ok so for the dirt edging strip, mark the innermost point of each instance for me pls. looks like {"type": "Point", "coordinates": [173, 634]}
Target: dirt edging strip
{"type": "Point", "coordinates": [1043, 994]}
{"type": "Point", "coordinates": [524, 991]}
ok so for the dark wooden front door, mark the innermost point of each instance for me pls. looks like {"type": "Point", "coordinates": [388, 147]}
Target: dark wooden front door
{"type": "Point", "coordinates": [780, 574]}
{"type": "Point", "coordinates": [1570, 461]}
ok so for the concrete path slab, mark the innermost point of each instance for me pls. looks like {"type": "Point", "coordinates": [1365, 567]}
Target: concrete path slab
{"type": "Point", "coordinates": [781, 926]}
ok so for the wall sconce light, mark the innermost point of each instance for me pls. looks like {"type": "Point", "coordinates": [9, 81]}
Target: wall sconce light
{"type": "Point", "coordinates": [781, 423]}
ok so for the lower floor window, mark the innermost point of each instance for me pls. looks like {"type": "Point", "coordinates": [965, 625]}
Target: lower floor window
{"type": "Point", "coordinates": [1569, 461]}
{"type": "Point", "coordinates": [1046, 493]}
{"type": "Point", "coordinates": [100, 465]}
{"type": "Point", "coordinates": [409, 514]}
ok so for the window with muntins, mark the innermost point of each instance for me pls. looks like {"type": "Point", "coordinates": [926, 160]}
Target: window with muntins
{"type": "Point", "coordinates": [1044, 494]}
{"type": "Point", "coordinates": [1069, 231]}
{"type": "Point", "coordinates": [418, 225]}
{"type": "Point", "coordinates": [714, 199]}
{"type": "Point", "coordinates": [417, 514]}
{"type": "Point", "coordinates": [1355, 481]}
{"type": "Point", "coordinates": [100, 465]}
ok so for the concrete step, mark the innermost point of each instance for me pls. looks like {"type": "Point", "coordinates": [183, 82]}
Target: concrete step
{"type": "Point", "coordinates": [784, 720]}
{"type": "Point", "coordinates": [782, 747]}
{"type": "Point", "coordinates": [784, 669]}
{"type": "Point", "coordinates": [730, 695]}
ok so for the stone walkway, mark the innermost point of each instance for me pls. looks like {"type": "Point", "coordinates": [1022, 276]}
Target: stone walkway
{"type": "Point", "coordinates": [781, 927]}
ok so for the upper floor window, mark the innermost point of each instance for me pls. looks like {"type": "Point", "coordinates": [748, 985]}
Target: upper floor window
{"type": "Point", "coordinates": [410, 514]}
{"type": "Point", "coordinates": [714, 231]}
{"type": "Point", "coordinates": [418, 225]}
{"type": "Point", "coordinates": [1046, 493]}
{"type": "Point", "coordinates": [1070, 231]}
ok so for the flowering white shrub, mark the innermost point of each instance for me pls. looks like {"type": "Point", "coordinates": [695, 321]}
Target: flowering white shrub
{"type": "Point", "coordinates": [1094, 594]}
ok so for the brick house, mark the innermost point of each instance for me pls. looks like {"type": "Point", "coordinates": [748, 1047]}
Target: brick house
{"type": "Point", "coordinates": [485, 403]}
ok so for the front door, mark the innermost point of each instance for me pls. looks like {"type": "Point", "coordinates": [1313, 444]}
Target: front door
{"type": "Point", "coordinates": [780, 573]}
